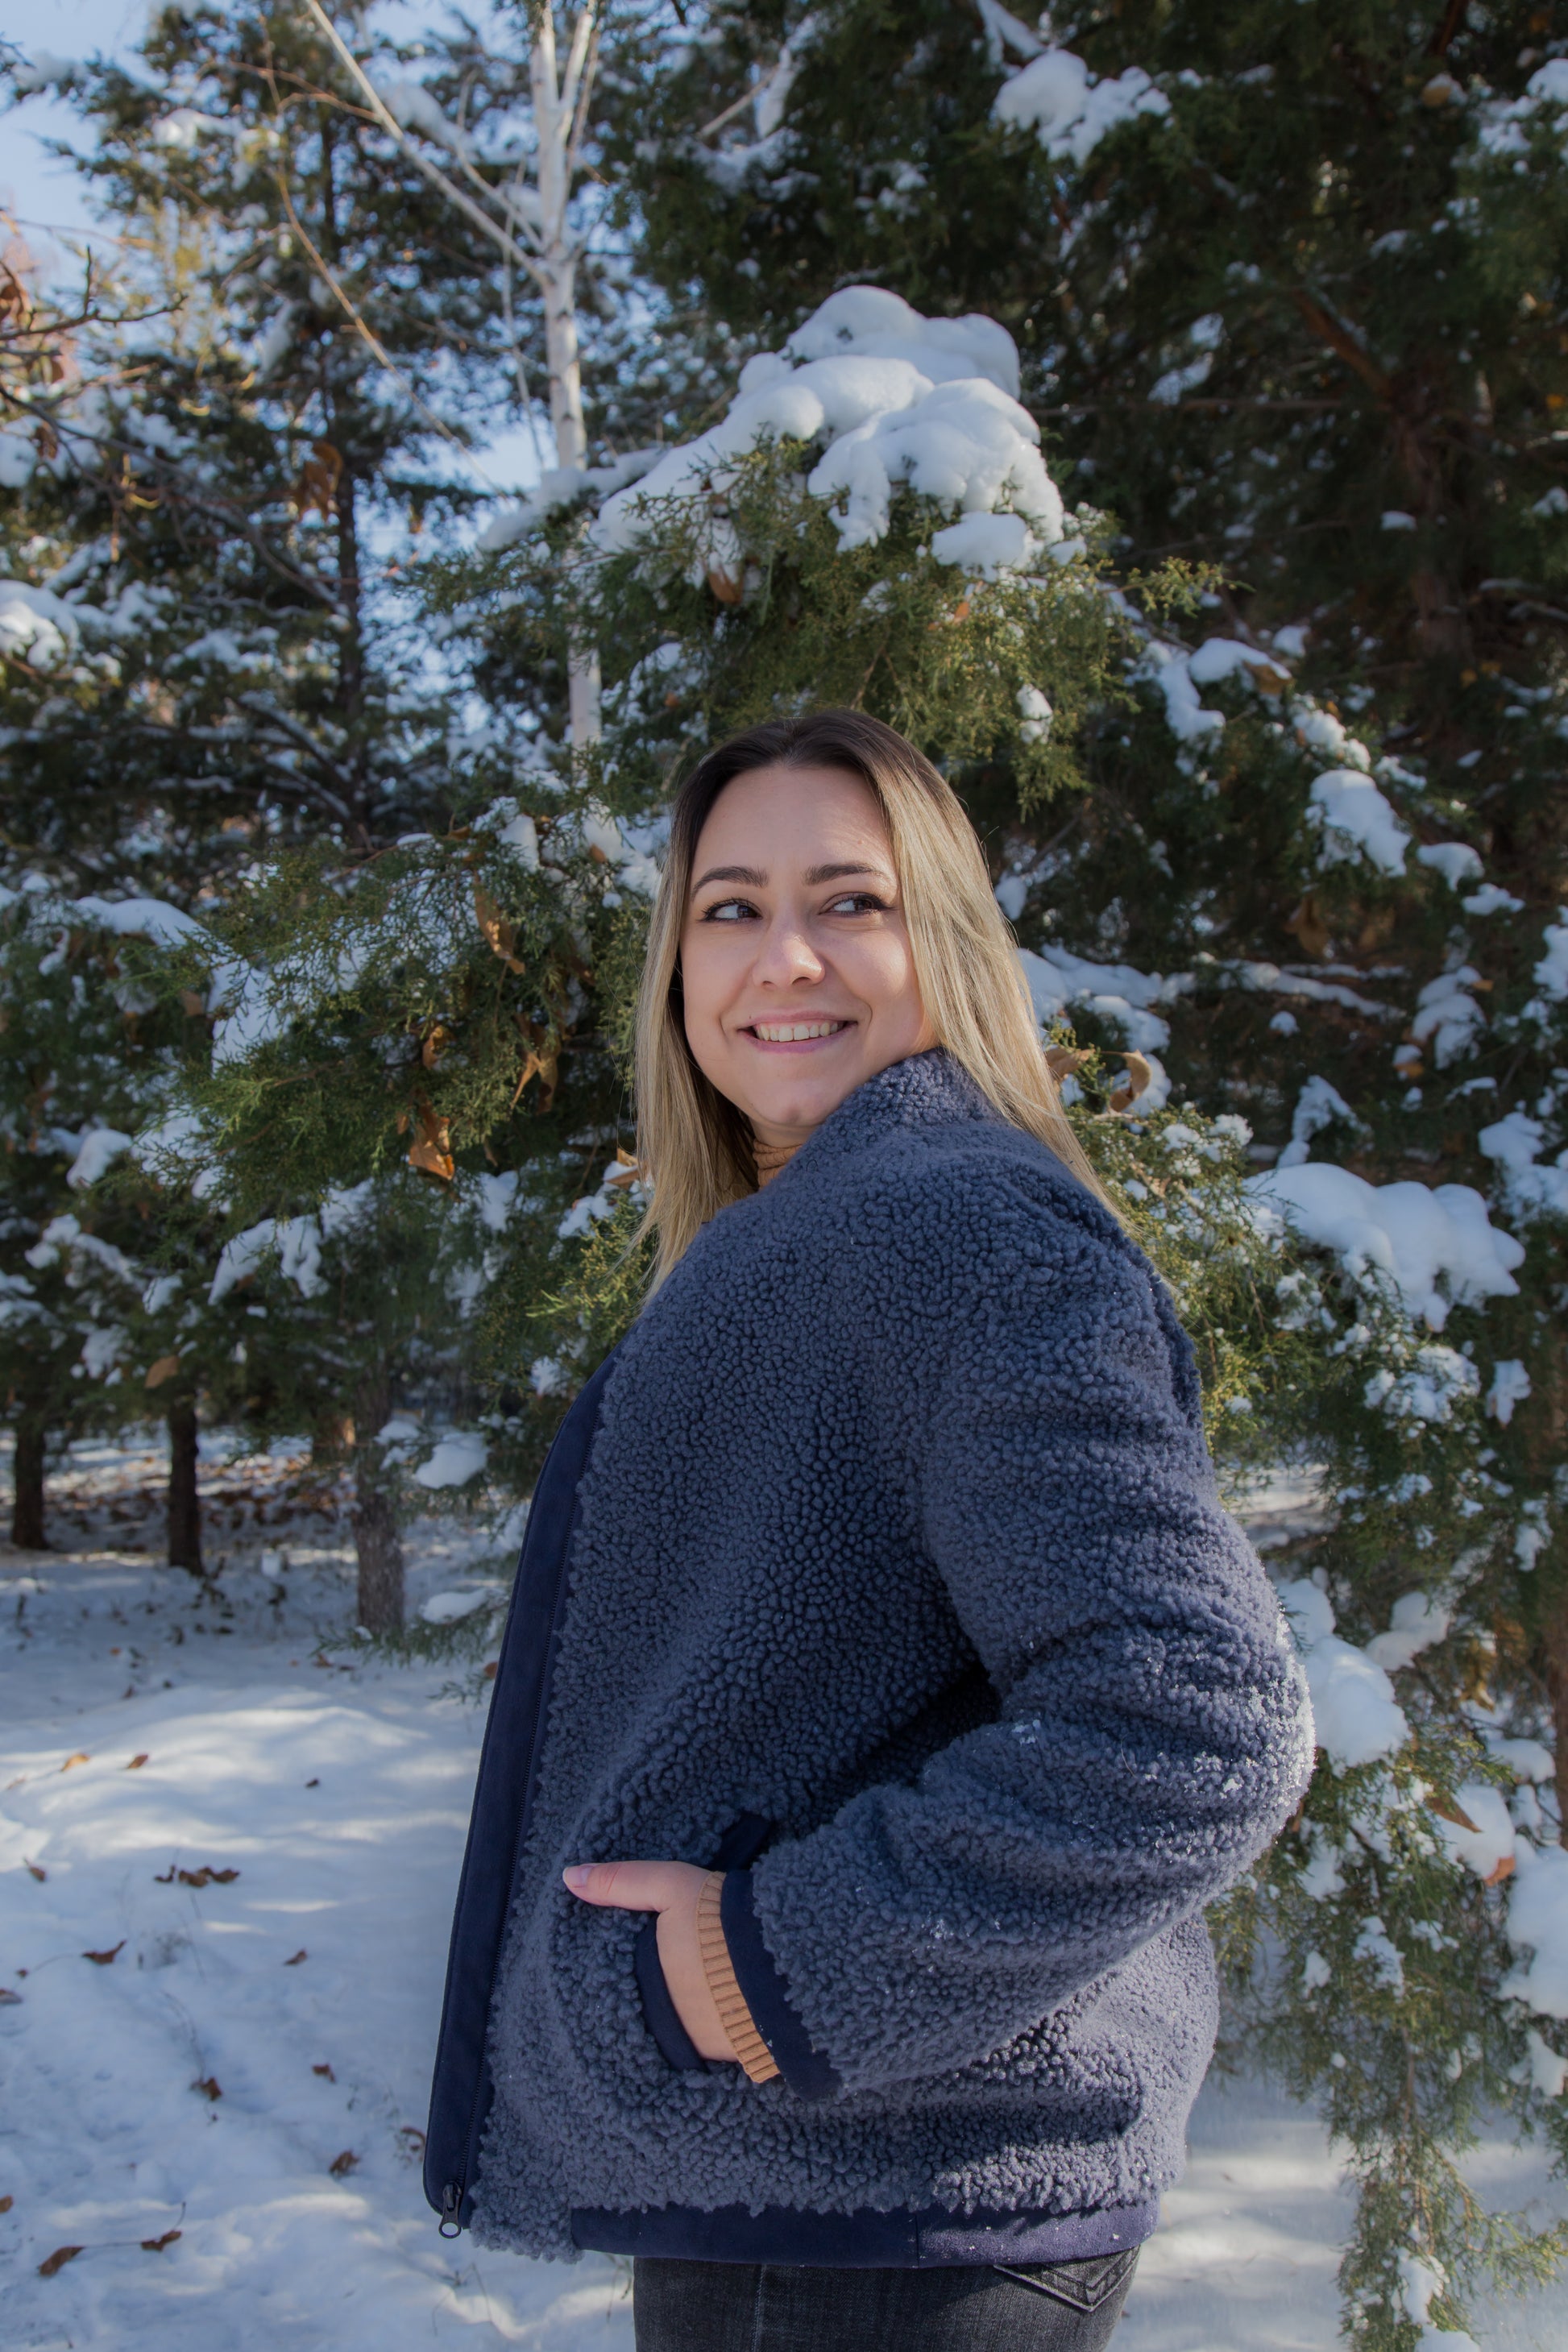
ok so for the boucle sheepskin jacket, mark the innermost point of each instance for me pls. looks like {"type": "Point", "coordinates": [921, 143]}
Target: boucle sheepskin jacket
{"type": "Point", "coordinates": [897, 1536]}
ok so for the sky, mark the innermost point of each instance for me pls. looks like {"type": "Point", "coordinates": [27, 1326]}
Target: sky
{"type": "Point", "coordinates": [47, 201]}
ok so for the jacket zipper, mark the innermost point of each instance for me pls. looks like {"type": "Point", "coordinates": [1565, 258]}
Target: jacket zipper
{"type": "Point", "coordinates": [453, 2191]}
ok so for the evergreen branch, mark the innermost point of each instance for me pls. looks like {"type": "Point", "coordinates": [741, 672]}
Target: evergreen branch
{"type": "Point", "coordinates": [377, 348]}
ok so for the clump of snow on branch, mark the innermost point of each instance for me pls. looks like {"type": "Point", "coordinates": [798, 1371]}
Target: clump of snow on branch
{"type": "Point", "coordinates": [889, 398]}
{"type": "Point", "coordinates": [1356, 1716]}
{"type": "Point", "coordinates": [1436, 1245]}
{"type": "Point", "coordinates": [1057, 98]}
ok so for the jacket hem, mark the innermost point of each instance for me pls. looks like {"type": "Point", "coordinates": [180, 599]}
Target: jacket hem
{"type": "Point", "coordinates": [931, 2239]}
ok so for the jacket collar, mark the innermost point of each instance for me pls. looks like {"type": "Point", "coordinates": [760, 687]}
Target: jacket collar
{"type": "Point", "coordinates": [925, 1091]}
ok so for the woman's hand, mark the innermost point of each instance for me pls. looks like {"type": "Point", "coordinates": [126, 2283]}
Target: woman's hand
{"type": "Point", "coordinates": [670, 1889]}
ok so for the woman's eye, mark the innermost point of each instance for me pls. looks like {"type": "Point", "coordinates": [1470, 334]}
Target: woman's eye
{"type": "Point", "coordinates": [858, 902]}
{"type": "Point", "coordinates": [728, 910]}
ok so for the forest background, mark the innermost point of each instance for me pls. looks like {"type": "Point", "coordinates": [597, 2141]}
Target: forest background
{"type": "Point", "coordinates": [1159, 413]}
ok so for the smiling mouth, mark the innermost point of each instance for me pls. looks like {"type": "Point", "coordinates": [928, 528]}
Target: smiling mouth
{"type": "Point", "coordinates": [794, 1033]}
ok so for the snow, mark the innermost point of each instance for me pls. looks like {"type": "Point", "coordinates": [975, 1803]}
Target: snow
{"type": "Point", "coordinates": [43, 70]}
{"type": "Point", "coordinates": [1456, 861]}
{"type": "Point", "coordinates": [107, 2145]}
{"type": "Point", "coordinates": [1449, 1015]}
{"type": "Point", "coordinates": [144, 918]}
{"type": "Point", "coordinates": [1056, 96]}
{"type": "Point", "coordinates": [1418, 1236]}
{"type": "Point", "coordinates": [1116, 991]}
{"type": "Point", "coordinates": [1529, 1188]}
{"type": "Point", "coordinates": [412, 106]}
{"type": "Point", "coordinates": [36, 626]}
{"type": "Point", "coordinates": [459, 1457]}
{"type": "Point", "coordinates": [1355, 820]}
{"type": "Point", "coordinates": [1036, 714]}
{"type": "Point", "coordinates": [1318, 1105]}
{"type": "Point", "coordinates": [889, 396]}
{"type": "Point", "coordinates": [1395, 519]}
{"type": "Point", "coordinates": [1415, 1623]}
{"type": "Point", "coordinates": [1491, 900]}
{"type": "Point", "coordinates": [1551, 972]}
{"type": "Point", "coordinates": [1511, 1386]}
{"type": "Point", "coordinates": [1491, 1844]}
{"type": "Point", "coordinates": [450, 1608]}
{"type": "Point", "coordinates": [100, 1148]}
{"type": "Point", "coordinates": [1355, 1712]}
{"type": "Point", "coordinates": [1538, 1928]}
{"type": "Point", "coordinates": [1438, 1380]}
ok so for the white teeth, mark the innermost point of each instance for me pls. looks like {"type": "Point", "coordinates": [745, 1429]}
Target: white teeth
{"type": "Point", "coordinates": [795, 1033]}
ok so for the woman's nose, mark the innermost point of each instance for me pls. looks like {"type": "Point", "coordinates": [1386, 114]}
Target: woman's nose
{"type": "Point", "coordinates": [785, 953]}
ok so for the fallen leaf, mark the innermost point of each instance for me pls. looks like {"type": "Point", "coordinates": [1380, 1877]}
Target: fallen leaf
{"type": "Point", "coordinates": [6, 2203]}
{"type": "Point", "coordinates": [1447, 1811]}
{"type": "Point", "coordinates": [1064, 1061]}
{"type": "Point", "coordinates": [20, 1783]}
{"type": "Point", "coordinates": [489, 1675]}
{"type": "Point", "coordinates": [500, 935]}
{"type": "Point", "coordinates": [1504, 1870]}
{"type": "Point", "coordinates": [300, 1955]}
{"type": "Point", "coordinates": [206, 1876]}
{"type": "Point", "coordinates": [432, 1152]}
{"type": "Point", "coordinates": [326, 2071]}
{"type": "Point", "coordinates": [39, 1874]}
{"type": "Point", "coordinates": [347, 2161]}
{"type": "Point", "coordinates": [163, 1369]}
{"type": "Point", "coordinates": [312, 1784]}
{"type": "Point", "coordinates": [58, 2261]}
{"type": "Point", "coordinates": [208, 2087]}
{"type": "Point", "coordinates": [156, 2245]}
{"type": "Point", "coordinates": [8, 1999]}
{"type": "Point", "coordinates": [103, 1959]}
{"type": "Point", "coordinates": [726, 586]}
{"type": "Point", "coordinates": [164, 1877]}
{"type": "Point", "coordinates": [136, 1763]}
{"type": "Point", "coordinates": [415, 2138]}
{"type": "Point", "coordinates": [82, 1757]}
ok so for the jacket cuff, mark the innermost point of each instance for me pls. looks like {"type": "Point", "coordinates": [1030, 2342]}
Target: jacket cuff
{"type": "Point", "coordinates": [805, 2069]}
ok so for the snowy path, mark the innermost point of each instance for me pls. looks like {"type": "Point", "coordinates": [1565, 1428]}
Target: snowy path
{"type": "Point", "coordinates": [303, 1992]}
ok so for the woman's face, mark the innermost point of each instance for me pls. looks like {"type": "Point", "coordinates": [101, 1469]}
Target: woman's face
{"type": "Point", "coordinates": [794, 958]}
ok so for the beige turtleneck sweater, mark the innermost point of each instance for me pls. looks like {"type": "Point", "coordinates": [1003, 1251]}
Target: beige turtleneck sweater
{"type": "Point", "coordinates": [770, 1158]}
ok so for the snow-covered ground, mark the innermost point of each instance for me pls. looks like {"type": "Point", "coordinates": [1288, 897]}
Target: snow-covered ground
{"type": "Point", "coordinates": [221, 2110]}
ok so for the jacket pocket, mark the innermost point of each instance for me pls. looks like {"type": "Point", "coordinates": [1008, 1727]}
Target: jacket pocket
{"type": "Point", "coordinates": [739, 1846]}
{"type": "Point", "coordinates": [660, 2012]}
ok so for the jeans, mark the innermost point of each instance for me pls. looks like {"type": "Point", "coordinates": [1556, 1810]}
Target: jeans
{"type": "Point", "coordinates": [782, 2307]}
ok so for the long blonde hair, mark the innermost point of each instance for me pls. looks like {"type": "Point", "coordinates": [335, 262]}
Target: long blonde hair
{"type": "Point", "coordinates": [694, 1146]}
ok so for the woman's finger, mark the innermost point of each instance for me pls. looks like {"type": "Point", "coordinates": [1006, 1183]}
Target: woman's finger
{"type": "Point", "coordinates": [632, 1886]}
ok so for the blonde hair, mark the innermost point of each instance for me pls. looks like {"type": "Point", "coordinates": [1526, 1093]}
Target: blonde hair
{"type": "Point", "coordinates": [694, 1146]}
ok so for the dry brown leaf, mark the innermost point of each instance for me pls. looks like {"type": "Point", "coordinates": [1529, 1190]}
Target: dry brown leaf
{"type": "Point", "coordinates": [156, 2245]}
{"type": "Point", "coordinates": [326, 2071]}
{"type": "Point", "coordinates": [343, 2163]}
{"type": "Point", "coordinates": [57, 2259]}
{"type": "Point", "coordinates": [163, 1369]}
{"type": "Point", "coordinates": [192, 1003]}
{"type": "Point", "coordinates": [318, 481]}
{"type": "Point", "coordinates": [9, 1999]}
{"type": "Point", "coordinates": [137, 1761]}
{"type": "Point", "coordinates": [300, 1955]}
{"type": "Point", "coordinates": [1062, 1061]}
{"type": "Point", "coordinates": [1311, 933]}
{"type": "Point", "coordinates": [431, 1154]}
{"type": "Point", "coordinates": [625, 1170]}
{"type": "Point", "coordinates": [1448, 1810]}
{"type": "Point", "coordinates": [435, 1045]}
{"type": "Point", "coordinates": [103, 1959]}
{"type": "Point", "coordinates": [1138, 1076]}
{"type": "Point", "coordinates": [82, 1757]}
{"type": "Point", "coordinates": [491, 1671]}
{"type": "Point", "coordinates": [1504, 1870]}
{"type": "Point", "coordinates": [726, 586]}
{"type": "Point", "coordinates": [6, 2203]}
{"type": "Point", "coordinates": [36, 1872]}
{"type": "Point", "coordinates": [208, 2087]}
{"type": "Point", "coordinates": [498, 931]}
{"type": "Point", "coordinates": [206, 1876]}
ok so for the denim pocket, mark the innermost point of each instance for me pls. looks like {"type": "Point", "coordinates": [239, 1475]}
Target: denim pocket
{"type": "Point", "coordinates": [1083, 2285]}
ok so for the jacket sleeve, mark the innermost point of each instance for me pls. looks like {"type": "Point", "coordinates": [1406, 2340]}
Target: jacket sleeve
{"type": "Point", "coordinates": [1154, 1732]}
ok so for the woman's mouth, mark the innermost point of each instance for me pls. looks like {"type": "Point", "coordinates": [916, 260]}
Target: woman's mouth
{"type": "Point", "coordinates": [794, 1033]}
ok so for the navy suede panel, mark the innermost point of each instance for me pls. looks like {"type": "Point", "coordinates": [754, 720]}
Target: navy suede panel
{"type": "Point", "coordinates": [766, 1995]}
{"type": "Point", "coordinates": [916, 1420]}
{"type": "Point", "coordinates": [929, 2241]}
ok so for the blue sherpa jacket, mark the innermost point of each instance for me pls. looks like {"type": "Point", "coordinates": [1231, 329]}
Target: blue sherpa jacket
{"type": "Point", "coordinates": [896, 1584]}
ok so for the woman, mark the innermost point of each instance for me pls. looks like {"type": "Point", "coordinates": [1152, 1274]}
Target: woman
{"type": "Point", "coordinates": [886, 1691]}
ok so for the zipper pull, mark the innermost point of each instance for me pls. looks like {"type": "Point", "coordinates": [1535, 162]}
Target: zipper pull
{"type": "Point", "coordinates": [451, 2204]}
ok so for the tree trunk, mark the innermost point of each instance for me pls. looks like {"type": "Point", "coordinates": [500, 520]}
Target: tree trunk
{"type": "Point", "coordinates": [184, 1502]}
{"type": "Point", "coordinates": [377, 1542]}
{"type": "Point", "coordinates": [380, 1551]}
{"type": "Point", "coordinates": [28, 1485]}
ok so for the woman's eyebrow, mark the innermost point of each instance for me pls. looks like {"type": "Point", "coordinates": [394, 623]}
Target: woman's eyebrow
{"type": "Point", "coordinates": [747, 874]}
{"type": "Point", "coordinates": [837, 873]}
